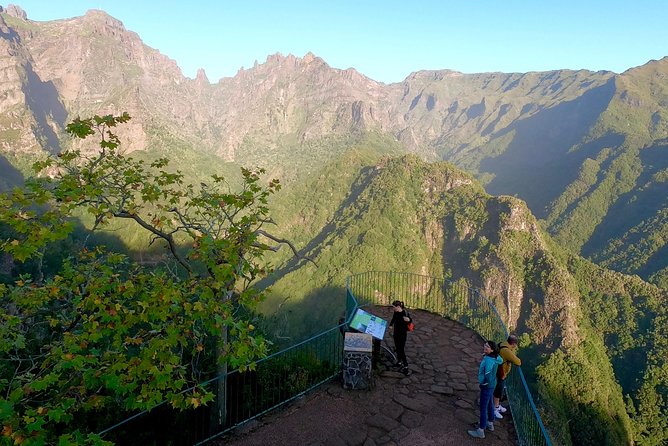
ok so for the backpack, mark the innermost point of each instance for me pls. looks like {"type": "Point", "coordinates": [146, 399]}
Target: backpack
{"type": "Point", "coordinates": [499, 370]}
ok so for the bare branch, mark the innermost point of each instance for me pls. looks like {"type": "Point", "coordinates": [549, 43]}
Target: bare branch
{"type": "Point", "coordinates": [284, 242]}
{"type": "Point", "coordinates": [167, 237]}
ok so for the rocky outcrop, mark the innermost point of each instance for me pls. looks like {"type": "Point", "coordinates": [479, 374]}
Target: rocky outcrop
{"type": "Point", "coordinates": [201, 77]}
{"type": "Point", "coordinates": [16, 11]}
{"type": "Point", "coordinates": [21, 130]}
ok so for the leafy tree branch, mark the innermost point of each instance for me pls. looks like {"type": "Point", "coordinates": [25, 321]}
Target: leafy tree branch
{"type": "Point", "coordinates": [106, 334]}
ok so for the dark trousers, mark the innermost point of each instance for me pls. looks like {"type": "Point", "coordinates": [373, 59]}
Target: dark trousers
{"type": "Point", "coordinates": [400, 344]}
{"type": "Point", "coordinates": [498, 390]}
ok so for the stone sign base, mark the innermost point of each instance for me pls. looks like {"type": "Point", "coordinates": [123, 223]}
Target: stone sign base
{"type": "Point", "coordinates": [357, 363]}
{"type": "Point", "coordinates": [357, 370]}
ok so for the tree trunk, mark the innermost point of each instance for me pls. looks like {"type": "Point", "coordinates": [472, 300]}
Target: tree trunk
{"type": "Point", "coordinates": [221, 391]}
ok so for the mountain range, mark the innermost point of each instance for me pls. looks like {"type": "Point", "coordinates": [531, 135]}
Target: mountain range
{"type": "Point", "coordinates": [547, 190]}
{"type": "Point", "coordinates": [585, 150]}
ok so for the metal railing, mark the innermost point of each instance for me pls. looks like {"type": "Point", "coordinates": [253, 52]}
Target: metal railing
{"type": "Point", "coordinates": [458, 302]}
{"type": "Point", "coordinates": [278, 379]}
{"type": "Point", "coordinates": [290, 373]}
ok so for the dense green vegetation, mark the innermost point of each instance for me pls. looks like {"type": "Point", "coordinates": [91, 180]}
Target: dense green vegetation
{"type": "Point", "coordinates": [363, 210]}
{"type": "Point", "coordinates": [630, 315]}
{"type": "Point", "coordinates": [104, 335]}
{"type": "Point", "coordinates": [614, 211]}
{"type": "Point", "coordinates": [405, 215]}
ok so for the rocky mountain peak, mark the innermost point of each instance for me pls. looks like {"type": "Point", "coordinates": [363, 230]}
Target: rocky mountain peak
{"type": "Point", "coordinates": [102, 19]}
{"type": "Point", "coordinates": [201, 77]}
{"type": "Point", "coordinates": [309, 57]}
{"type": "Point", "coordinates": [292, 61]}
{"type": "Point", "coordinates": [15, 11]}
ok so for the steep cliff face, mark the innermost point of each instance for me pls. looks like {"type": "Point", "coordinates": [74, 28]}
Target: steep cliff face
{"type": "Point", "coordinates": [100, 67]}
{"type": "Point", "coordinates": [497, 245]}
{"type": "Point", "coordinates": [30, 112]}
{"type": "Point", "coordinates": [301, 97]}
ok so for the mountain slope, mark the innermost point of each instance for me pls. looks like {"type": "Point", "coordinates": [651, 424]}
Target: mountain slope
{"type": "Point", "coordinates": [581, 322]}
{"type": "Point", "coordinates": [29, 108]}
{"type": "Point", "coordinates": [615, 211]}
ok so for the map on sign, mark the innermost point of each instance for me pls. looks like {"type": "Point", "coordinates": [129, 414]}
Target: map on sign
{"type": "Point", "coordinates": [368, 323]}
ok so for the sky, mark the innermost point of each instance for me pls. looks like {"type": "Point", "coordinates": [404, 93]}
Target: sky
{"type": "Point", "coordinates": [387, 40]}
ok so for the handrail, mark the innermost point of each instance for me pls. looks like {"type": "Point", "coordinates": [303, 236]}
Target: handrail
{"type": "Point", "coordinates": [286, 375]}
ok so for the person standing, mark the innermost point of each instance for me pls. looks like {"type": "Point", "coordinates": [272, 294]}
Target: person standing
{"type": "Point", "coordinates": [487, 381]}
{"type": "Point", "coordinates": [507, 352]}
{"type": "Point", "coordinates": [400, 321]}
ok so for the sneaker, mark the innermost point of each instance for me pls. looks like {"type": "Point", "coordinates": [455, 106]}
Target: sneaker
{"type": "Point", "coordinates": [498, 415]}
{"type": "Point", "coordinates": [478, 433]}
{"type": "Point", "coordinates": [501, 409]}
{"type": "Point", "coordinates": [406, 371]}
{"type": "Point", "coordinates": [490, 426]}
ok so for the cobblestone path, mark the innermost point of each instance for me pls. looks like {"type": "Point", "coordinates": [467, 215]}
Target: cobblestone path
{"type": "Point", "coordinates": [435, 405]}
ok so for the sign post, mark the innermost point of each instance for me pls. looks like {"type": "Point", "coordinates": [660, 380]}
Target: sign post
{"type": "Point", "coordinates": [358, 349]}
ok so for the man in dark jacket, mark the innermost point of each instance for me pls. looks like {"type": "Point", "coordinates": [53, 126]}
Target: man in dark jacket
{"type": "Point", "coordinates": [507, 352]}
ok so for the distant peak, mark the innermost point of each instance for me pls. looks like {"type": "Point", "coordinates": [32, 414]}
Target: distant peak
{"type": "Point", "coordinates": [662, 61]}
{"type": "Point", "coordinates": [276, 57]}
{"type": "Point", "coordinates": [15, 11]}
{"type": "Point", "coordinates": [101, 16]}
{"type": "Point", "coordinates": [279, 58]}
{"type": "Point", "coordinates": [660, 65]}
{"type": "Point", "coordinates": [433, 74]}
{"type": "Point", "coordinates": [201, 76]}
{"type": "Point", "coordinates": [96, 13]}
{"type": "Point", "coordinates": [309, 57]}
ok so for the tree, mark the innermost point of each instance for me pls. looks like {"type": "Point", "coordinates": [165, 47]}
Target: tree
{"type": "Point", "coordinates": [106, 333]}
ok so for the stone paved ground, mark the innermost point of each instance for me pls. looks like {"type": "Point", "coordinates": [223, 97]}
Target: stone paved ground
{"type": "Point", "coordinates": [435, 405]}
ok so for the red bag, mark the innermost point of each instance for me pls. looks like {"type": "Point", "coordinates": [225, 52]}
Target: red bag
{"type": "Point", "coordinates": [411, 326]}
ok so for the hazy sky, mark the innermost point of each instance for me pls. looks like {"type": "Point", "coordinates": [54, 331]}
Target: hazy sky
{"type": "Point", "coordinates": [387, 40]}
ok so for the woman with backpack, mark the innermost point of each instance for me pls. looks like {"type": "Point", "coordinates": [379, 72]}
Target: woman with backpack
{"type": "Point", "coordinates": [487, 380]}
{"type": "Point", "coordinates": [400, 321]}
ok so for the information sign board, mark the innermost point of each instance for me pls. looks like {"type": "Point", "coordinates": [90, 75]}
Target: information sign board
{"type": "Point", "coordinates": [365, 322]}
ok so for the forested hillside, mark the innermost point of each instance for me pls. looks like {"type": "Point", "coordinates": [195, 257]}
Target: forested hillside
{"type": "Point", "coordinates": [583, 324]}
